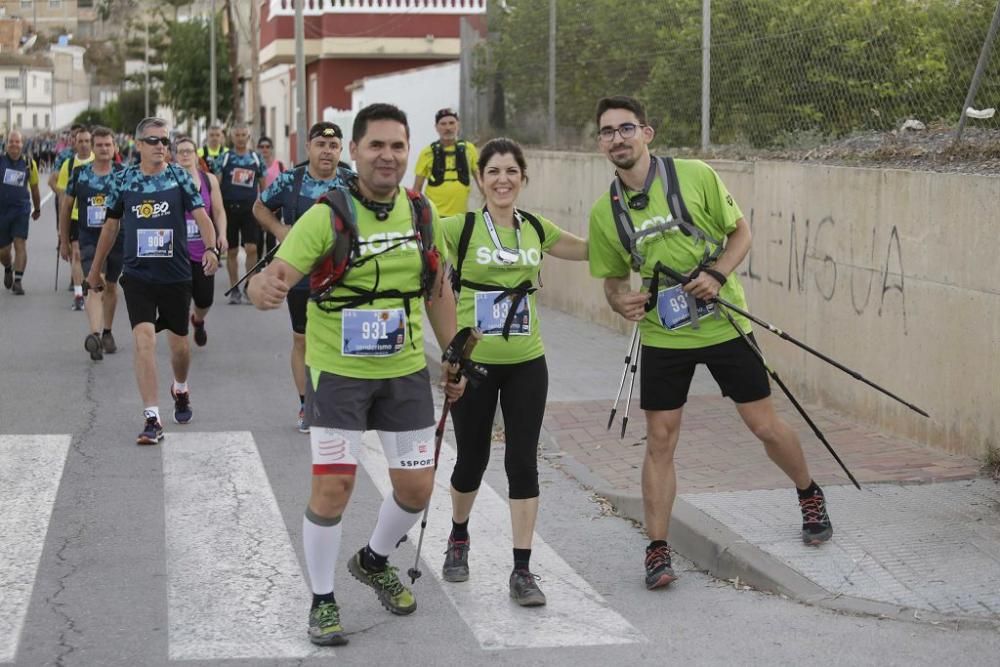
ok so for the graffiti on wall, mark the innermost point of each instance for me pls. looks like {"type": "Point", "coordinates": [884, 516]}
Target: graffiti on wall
{"type": "Point", "coordinates": [803, 257]}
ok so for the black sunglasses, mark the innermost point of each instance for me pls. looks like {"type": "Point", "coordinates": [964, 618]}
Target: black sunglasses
{"type": "Point", "coordinates": [152, 141]}
{"type": "Point", "coordinates": [263, 145]}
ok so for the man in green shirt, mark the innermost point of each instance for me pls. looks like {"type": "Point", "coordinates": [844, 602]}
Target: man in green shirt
{"type": "Point", "coordinates": [676, 334]}
{"type": "Point", "coordinates": [366, 364]}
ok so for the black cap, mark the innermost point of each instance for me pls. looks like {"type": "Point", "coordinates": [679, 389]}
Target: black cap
{"type": "Point", "coordinates": [325, 129]}
{"type": "Point", "coordinates": [444, 113]}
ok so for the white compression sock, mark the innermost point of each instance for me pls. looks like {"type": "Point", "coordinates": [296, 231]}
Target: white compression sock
{"type": "Point", "coordinates": [321, 544]}
{"type": "Point", "coordinates": [155, 409]}
{"type": "Point", "coordinates": [393, 522]}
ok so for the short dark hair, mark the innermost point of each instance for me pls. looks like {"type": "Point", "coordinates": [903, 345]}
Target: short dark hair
{"type": "Point", "coordinates": [265, 139]}
{"type": "Point", "coordinates": [101, 131]}
{"type": "Point", "coordinates": [377, 111]}
{"type": "Point", "coordinates": [184, 139]}
{"type": "Point", "coordinates": [621, 102]}
{"type": "Point", "coordinates": [76, 127]}
{"type": "Point", "coordinates": [503, 146]}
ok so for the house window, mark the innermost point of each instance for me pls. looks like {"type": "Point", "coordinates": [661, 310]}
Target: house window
{"type": "Point", "coordinates": [55, 3]}
{"type": "Point", "coordinates": [34, 120]}
{"type": "Point", "coordinates": [20, 121]}
{"type": "Point", "coordinates": [273, 124]}
{"type": "Point", "coordinates": [12, 82]}
{"type": "Point", "coordinates": [34, 81]}
{"type": "Point", "coordinates": [47, 86]}
{"type": "Point", "coordinates": [46, 120]}
{"type": "Point", "coordinates": [25, 4]}
{"type": "Point", "coordinates": [313, 99]}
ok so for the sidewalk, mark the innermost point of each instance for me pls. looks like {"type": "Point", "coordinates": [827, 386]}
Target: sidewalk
{"type": "Point", "coordinates": [921, 541]}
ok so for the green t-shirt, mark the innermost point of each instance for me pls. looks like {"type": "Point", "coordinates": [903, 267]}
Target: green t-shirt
{"type": "Point", "coordinates": [713, 210]}
{"type": "Point", "coordinates": [483, 265]}
{"type": "Point", "coordinates": [371, 341]}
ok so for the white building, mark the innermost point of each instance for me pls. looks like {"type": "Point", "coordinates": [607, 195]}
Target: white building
{"type": "Point", "coordinates": [25, 92]}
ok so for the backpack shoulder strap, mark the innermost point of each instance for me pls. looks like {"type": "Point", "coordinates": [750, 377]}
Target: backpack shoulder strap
{"type": "Point", "coordinates": [463, 249]}
{"type": "Point", "coordinates": [672, 190]}
{"type": "Point", "coordinates": [623, 224]}
{"type": "Point", "coordinates": [300, 173]}
{"type": "Point", "coordinates": [423, 226]}
{"type": "Point", "coordinates": [535, 223]}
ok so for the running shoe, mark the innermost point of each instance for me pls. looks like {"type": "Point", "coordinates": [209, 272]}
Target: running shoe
{"type": "Point", "coordinates": [108, 343]}
{"type": "Point", "coordinates": [152, 432]}
{"type": "Point", "coordinates": [391, 592]}
{"type": "Point", "coordinates": [816, 526]}
{"type": "Point", "coordinates": [78, 303]}
{"type": "Point", "coordinates": [524, 588]}
{"type": "Point", "coordinates": [8, 277]}
{"type": "Point", "coordinates": [182, 406]}
{"type": "Point", "coordinates": [302, 425]}
{"type": "Point", "coordinates": [200, 337]}
{"type": "Point", "coordinates": [456, 561]}
{"type": "Point", "coordinates": [324, 625]}
{"type": "Point", "coordinates": [659, 572]}
{"type": "Point", "coordinates": [246, 296]}
{"type": "Point", "coordinates": [92, 344]}
{"type": "Point", "coordinates": [17, 288]}
{"type": "Point", "coordinates": [235, 297]}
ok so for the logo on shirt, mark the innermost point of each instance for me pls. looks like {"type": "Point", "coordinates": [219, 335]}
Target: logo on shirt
{"type": "Point", "coordinates": [530, 256]}
{"type": "Point", "coordinates": [97, 200]}
{"type": "Point", "coordinates": [656, 220]}
{"type": "Point", "coordinates": [151, 209]}
{"type": "Point", "coordinates": [383, 241]}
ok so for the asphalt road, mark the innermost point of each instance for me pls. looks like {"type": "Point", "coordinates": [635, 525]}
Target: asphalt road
{"type": "Point", "coordinates": [113, 554]}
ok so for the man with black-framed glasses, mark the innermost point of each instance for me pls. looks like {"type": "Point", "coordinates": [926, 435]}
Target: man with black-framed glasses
{"type": "Point", "coordinates": [663, 217]}
{"type": "Point", "coordinates": [148, 203]}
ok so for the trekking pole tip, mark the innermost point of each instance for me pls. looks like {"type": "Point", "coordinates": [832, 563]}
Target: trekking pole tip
{"type": "Point", "coordinates": [414, 574]}
{"type": "Point", "coordinates": [611, 419]}
{"type": "Point", "coordinates": [624, 426]}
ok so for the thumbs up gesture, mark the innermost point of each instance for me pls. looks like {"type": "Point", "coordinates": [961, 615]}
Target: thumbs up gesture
{"type": "Point", "coordinates": [268, 289]}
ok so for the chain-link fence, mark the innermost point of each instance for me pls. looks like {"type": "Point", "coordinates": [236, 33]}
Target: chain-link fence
{"type": "Point", "coordinates": [783, 73]}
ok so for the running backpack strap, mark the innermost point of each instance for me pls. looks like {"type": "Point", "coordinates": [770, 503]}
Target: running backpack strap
{"type": "Point", "coordinates": [623, 224]}
{"type": "Point", "coordinates": [461, 163]}
{"type": "Point", "coordinates": [423, 229]}
{"type": "Point", "coordinates": [535, 223]}
{"type": "Point", "coordinates": [672, 191]}
{"type": "Point", "coordinates": [463, 250]}
{"type": "Point", "coordinates": [437, 164]}
{"type": "Point", "coordinates": [332, 267]}
{"type": "Point", "coordinates": [300, 173]}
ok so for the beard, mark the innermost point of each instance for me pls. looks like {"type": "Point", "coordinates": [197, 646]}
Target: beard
{"type": "Point", "coordinates": [626, 162]}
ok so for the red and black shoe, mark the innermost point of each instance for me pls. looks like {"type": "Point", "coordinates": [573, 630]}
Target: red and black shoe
{"type": "Point", "coordinates": [816, 526]}
{"type": "Point", "coordinates": [659, 571]}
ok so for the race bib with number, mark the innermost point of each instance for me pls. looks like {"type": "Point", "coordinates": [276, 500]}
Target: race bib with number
{"type": "Point", "coordinates": [372, 333]}
{"type": "Point", "coordinates": [243, 177]}
{"type": "Point", "coordinates": [96, 216]}
{"type": "Point", "coordinates": [13, 177]}
{"type": "Point", "coordinates": [672, 308]}
{"type": "Point", "coordinates": [490, 316]}
{"type": "Point", "coordinates": [155, 242]}
{"type": "Point", "coordinates": [194, 233]}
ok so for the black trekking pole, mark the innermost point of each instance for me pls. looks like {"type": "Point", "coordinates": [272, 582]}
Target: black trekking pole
{"type": "Point", "coordinates": [256, 267]}
{"type": "Point", "coordinates": [621, 385]}
{"type": "Point", "coordinates": [631, 386]}
{"type": "Point", "coordinates": [458, 352]}
{"type": "Point", "coordinates": [58, 259]}
{"type": "Point", "coordinates": [681, 278]}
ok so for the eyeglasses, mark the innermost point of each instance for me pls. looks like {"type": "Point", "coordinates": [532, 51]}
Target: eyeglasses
{"type": "Point", "coordinates": [626, 130]}
{"type": "Point", "coordinates": [185, 151]}
{"type": "Point", "coordinates": [263, 145]}
{"type": "Point", "coordinates": [152, 141]}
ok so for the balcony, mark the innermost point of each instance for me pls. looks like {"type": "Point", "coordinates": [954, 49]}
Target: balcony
{"type": "Point", "coordinates": [320, 7]}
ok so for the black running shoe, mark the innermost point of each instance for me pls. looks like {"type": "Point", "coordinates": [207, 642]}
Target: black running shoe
{"type": "Point", "coordinates": [182, 406]}
{"type": "Point", "coordinates": [456, 560]}
{"type": "Point", "coordinates": [108, 343]}
{"type": "Point", "coordinates": [152, 432]}
{"type": "Point", "coordinates": [200, 336]}
{"type": "Point", "coordinates": [524, 588]}
{"type": "Point", "coordinates": [816, 526]}
{"type": "Point", "coordinates": [8, 277]}
{"type": "Point", "coordinates": [659, 572]}
{"type": "Point", "coordinates": [93, 345]}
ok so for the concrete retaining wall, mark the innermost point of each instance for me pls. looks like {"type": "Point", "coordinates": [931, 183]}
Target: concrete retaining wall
{"type": "Point", "coordinates": [895, 274]}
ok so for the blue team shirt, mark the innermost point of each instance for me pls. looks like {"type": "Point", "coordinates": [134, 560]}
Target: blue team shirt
{"type": "Point", "coordinates": [239, 175]}
{"type": "Point", "coordinates": [91, 192]}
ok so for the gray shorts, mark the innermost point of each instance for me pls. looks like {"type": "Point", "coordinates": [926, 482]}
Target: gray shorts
{"type": "Point", "coordinates": [352, 404]}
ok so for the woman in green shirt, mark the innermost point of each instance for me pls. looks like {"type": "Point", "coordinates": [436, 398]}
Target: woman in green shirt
{"type": "Point", "coordinates": [496, 256]}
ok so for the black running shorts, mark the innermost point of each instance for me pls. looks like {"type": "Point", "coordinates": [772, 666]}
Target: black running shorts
{"type": "Point", "coordinates": [112, 265]}
{"type": "Point", "coordinates": [241, 226]}
{"type": "Point", "coordinates": [666, 374]}
{"type": "Point", "coordinates": [353, 404]}
{"type": "Point", "coordinates": [202, 287]}
{"type": "Point", "coordinates": [297, 300]}
{"type": "Point", "coordinates": [165, 306]}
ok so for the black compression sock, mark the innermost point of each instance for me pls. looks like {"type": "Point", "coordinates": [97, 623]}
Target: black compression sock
{"type": "Point", "coordinates": [521, 558]}
{"type": "Point", "coordinates": [372, 561]}
{"type": "Point", "coordinates": [105, 331]}
{"type": "Point", "coordinates": [302, 399]}
{"type": "Point", "coordinates": [460, 531]}
{"type": "Point", "coordinates": [18, 275]}
{"type": "Point", "coordinates": [809, 491]}
{"type": "Point", "coordinates": [319, 599]}
{"type": "Point", "coordinates": [657, 543]}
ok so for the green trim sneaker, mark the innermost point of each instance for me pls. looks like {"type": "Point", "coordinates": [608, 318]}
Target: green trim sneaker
{"type": "Point", "coordinates": [324, 625]}
{"type": "Point", "coordinates": [391, 592]}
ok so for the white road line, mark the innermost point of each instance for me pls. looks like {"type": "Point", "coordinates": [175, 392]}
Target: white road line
{"type": "Point", "coordinates": [576, 615]}
{"type": "Point", "coordinates": [30, 469]}
{"type": "Point", "coordinates": [235, 588]}
{"type": "Point", "coordinates": [45, 199]}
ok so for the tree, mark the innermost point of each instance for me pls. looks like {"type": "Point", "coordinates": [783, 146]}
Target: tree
{"type": "Point", "coordinates": [132, 108]}
{"type": "Point", "coordinates": [90, 117]}
{"type": "Point", "coordinates": [186, 85]}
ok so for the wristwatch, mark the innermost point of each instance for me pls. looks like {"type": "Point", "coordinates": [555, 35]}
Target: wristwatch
{"type": "Point", "coordinates": [218, 255]}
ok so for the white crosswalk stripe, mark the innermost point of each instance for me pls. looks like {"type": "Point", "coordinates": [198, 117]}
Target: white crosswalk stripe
{"type": "Point", "coordinates": [235, 588]}
{"type": "Point", "coordinates": [30, 469]}
{"type": "Point", "coordinates": [575, 615]}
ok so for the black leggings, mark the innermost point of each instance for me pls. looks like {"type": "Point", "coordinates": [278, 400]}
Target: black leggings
{"type": "Point", "coordinates": [522, 389]}
{"type": "Point", "coordinates": [202, 287]}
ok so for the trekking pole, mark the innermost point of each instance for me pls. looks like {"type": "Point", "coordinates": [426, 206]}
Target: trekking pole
{"type": "Point", "coordinates": [785, 390]}
{"type": "Point", "coordinates": [458, 352]}
{"type": "Point", "coordinates": [621, 385]}
{"type": "Point", "coordinates": [631, 386]}
{"type": "Point", "coordinates": [58, 258]}
{"type": "Point", "coordinates": [256, 267]}
{"type": "Point", "coordinates": [681, 278]}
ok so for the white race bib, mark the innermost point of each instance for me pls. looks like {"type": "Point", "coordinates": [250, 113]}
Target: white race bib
{"type": "Point", "coordinates": [490, 316]}
{"type": "Point", "coordinates": [96, 216]}
{"type": "Point", "coordinates": [372, 333]}
{"type": "Point", "coordinates": [155, 243]}
{"type": "Point", "coordinates": [672, 308]}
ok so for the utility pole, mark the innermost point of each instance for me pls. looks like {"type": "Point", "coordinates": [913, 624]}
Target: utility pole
{"type": "Point", "coordinates": [255, 112]}
{"type": "Point", "coordinates": [300, 82]}
{"type": "Point", "coordinates": [213, 93]}
{"type": "Point", "coordinates": [706, 72]}
{"type": "Point", "coordinates": [552, 73]}
{"type": "Point", "coordinates": [145, 54]}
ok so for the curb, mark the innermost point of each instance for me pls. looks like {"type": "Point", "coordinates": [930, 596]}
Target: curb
{"type": "Point", "coordinates": [724, 554]}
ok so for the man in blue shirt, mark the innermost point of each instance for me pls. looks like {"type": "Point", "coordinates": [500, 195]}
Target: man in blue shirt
{"type": "Point", "coordinates": [19, 198]}
{"type": "Point", "coordinates": [291, 195]}
{"type": "Point", "coordinates": [241, 175]}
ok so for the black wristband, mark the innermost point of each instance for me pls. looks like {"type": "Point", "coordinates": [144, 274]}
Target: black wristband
{"type": "Point", "coordinates": [218, 255]}
{"type": "Point", "coordinates": [717, 275]}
